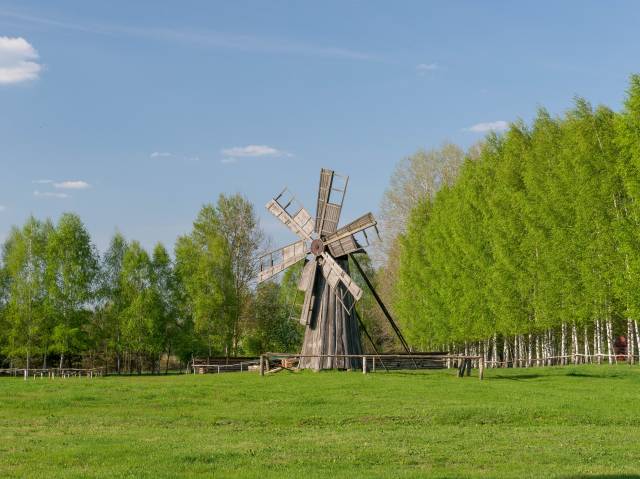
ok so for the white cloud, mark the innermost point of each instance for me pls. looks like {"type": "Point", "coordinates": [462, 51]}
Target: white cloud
{"type": "Point", "coordinates": [206, 38]}
{"type": "Point", "coordinates": [499, 125]}
{"type": "Point", "coordinates": [423, 68]}
{"type": "Point", "coordinates": [160, 154]}
{"type": "Point", "coordinates": [228, 160]}
{"type": "Point", "coordinates": [253, 151]}
{"type": "Point", "coordinates": [42, 182]}
{"type": "Point", "coordinates": [72, 185]}
{"type": "Point", "coordinates": [49, 194]}
{"type": "Point", "coordinates": [17, 61]}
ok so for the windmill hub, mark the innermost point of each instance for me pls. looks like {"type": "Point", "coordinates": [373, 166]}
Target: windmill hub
{"type": "Point", "coordinates": [317, 247]}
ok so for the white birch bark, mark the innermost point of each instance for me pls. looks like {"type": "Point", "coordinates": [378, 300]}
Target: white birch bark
{"type": "Point", "coordinates": [609, 333]}
{"type": "Point", "coordinates": [505, 351]}
{"type": "Point", "coordinates": [637, 335]}
{"type": "Point", "coordinates": [495, 349]}
{"type": "Point", "coordinates": [629, 342]}
{"type": "Point", "coordinates": [598, 344]}
{"type": "Point", "coordinates": [587, 351]}
{"type": "Point", "coordinates": [563, 341]}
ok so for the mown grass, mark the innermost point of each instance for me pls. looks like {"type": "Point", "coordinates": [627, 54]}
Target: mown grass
{"type": "Point", "coordinates": [558, 422]}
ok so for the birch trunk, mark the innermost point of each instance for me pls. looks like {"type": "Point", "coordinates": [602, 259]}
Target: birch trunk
{"type": "Point", "coordinates": [563, 340]}
{"type": "Point", "coordinates": [635, 322]}
{"type": "Point", "coordinates": [587, 352]}
{"type": "Point", "coordinates": [505, 351]}
{"type": "Point", "coordinates": [495, 349]}
{"type": "Point", "coordinates": [598, 342]}
{"type": "Point", "coordinates": [629, 343]}
{"type": "Point", "coordinates": [609, 332]}
{"type": "Point", "coordinates": [529, 351]}
{"type": "Point", "coordinates": [574, 344]}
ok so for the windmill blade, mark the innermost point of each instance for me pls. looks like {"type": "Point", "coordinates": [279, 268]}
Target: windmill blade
{"type": "Point", "coordinates": [344, 241]}
{"type": "Point", "coordinates": [330, 199]}
{"type": "Point", "coordinates": [287, 209]}
{"type": "Point", "coordinates": [306, 284]}
{"type": "Point", "coordinates": [307, 276]}
{"type": "Point", "coordinates": [280, 259]}
{"type": "Point", "coordinates": [335, 274]}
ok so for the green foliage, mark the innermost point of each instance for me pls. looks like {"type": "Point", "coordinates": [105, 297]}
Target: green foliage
{"type": "Point", "coordinates": [203, 264]}
{"type": "Point", "coordinates": [25, 273]}
{"type": "Point", "coordinates": [128, 309]}
{"type": "Point", "coordinates": [72, 269]}
{"type": "Point", "coordinates": [539, 230]}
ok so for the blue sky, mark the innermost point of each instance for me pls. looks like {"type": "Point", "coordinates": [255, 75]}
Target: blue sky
{"type": "Point", "coordinates": [134, 114]}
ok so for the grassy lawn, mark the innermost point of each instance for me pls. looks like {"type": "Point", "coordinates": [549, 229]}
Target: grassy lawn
{"type": "Point", "coordinates": [558, 422]}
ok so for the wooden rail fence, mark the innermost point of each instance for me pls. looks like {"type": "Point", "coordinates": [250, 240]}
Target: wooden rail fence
{"type": "Point", "coordinates": [463, 363]}
{"type": "Point", "coordinates": [51, 373]}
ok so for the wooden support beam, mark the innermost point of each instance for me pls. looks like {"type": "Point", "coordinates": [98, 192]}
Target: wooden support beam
{"type": "Point", "coordinates": [383, 307]}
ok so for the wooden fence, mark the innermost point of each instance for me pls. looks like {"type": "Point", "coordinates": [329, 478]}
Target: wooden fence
{"type": "Point", "coordinates": [203, 368]}
{"type": "Point", "coordinates": [51, 373]}
{"type": "Point", "coordinates": [373, 362]}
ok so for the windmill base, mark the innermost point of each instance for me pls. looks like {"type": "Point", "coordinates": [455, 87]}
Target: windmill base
{"type": "Point", "coordinates": [333, 329]}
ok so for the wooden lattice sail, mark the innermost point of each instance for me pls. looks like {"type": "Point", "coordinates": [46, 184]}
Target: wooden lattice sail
{"type": "Point", "coordinates": [328, 312]}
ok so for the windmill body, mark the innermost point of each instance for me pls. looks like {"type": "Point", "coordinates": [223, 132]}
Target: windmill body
{"type": "Point", "coordinates": [328, 312]}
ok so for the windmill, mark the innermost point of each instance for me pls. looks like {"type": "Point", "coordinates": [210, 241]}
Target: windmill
{"type": "Point", "coordinates": [328, 312]}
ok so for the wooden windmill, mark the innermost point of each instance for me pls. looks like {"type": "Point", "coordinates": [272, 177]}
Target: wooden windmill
{"type": "Point", "coordinates": [332, 325]}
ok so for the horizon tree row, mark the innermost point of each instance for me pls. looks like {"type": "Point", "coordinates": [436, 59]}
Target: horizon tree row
{"type": "Point", "coordinates": [533, 253]}
{"type": "Point", "coordinates": [60, 300]}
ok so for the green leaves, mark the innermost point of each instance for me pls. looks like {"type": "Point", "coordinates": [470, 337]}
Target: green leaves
{"type": "Point", "coordinates": [540, 229]}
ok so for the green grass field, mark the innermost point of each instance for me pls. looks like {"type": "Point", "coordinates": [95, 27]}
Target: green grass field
{"type": "Point", "coordinates": [558, 422]}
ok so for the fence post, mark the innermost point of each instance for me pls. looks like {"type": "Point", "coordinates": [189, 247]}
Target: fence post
{"type": "Point", "coordinates": [26, 375]}
{"type": "Point", "coordinates": [373, 365]}
{"type": "Point", "coordinates": [262, 365]}
{"type": "Point", "coordinates": [364, 365]}
{"type": "Point", "coordinates": [481, 368]}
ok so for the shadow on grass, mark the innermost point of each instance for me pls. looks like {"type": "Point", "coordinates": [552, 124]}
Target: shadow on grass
{"type": "Point", "coordinates": [604, 476]}
{"type": "Point", "coordinates": [518, 377]}
{"type": "Point", "coordinates": [559, 373]}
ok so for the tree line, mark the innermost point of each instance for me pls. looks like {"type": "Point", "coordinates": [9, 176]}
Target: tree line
{"type": "Point", "coordinates": [63, 304]}
{"type": "Point", "coordinates": [533, 251]}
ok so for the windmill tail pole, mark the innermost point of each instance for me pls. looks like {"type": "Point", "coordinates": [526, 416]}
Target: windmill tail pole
{"type": "Point", "coordinates": [373, 345]}
{"type": "Point", "coordinates": [384, 308]}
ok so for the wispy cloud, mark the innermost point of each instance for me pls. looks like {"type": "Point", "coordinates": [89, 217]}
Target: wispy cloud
{"type": "Point", "coordinates": [160, 154]}
{"type": "Point", "coordinates": [179, 157]}
{"type": "Point", "coordinates": [499, 125]}
{"type": "Point", "coordinates": [202, 38]}
{"type": "Point", "coordinates": [424, 68]}
{"type": "Point", "coordinates": [72, 185]}
{"type": "Point", "coordinates": [50, 194]}
{"type": "Point", "coordinates": [231, 155]}
{"type": "Point", "coordinates": [253, 151]}
{"type": "Point", "coordinates": [2, 208]}
{"type": "Point", "coordinates": [17, 61]}
{"type": "Point", "coordinates": [42, 182]}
